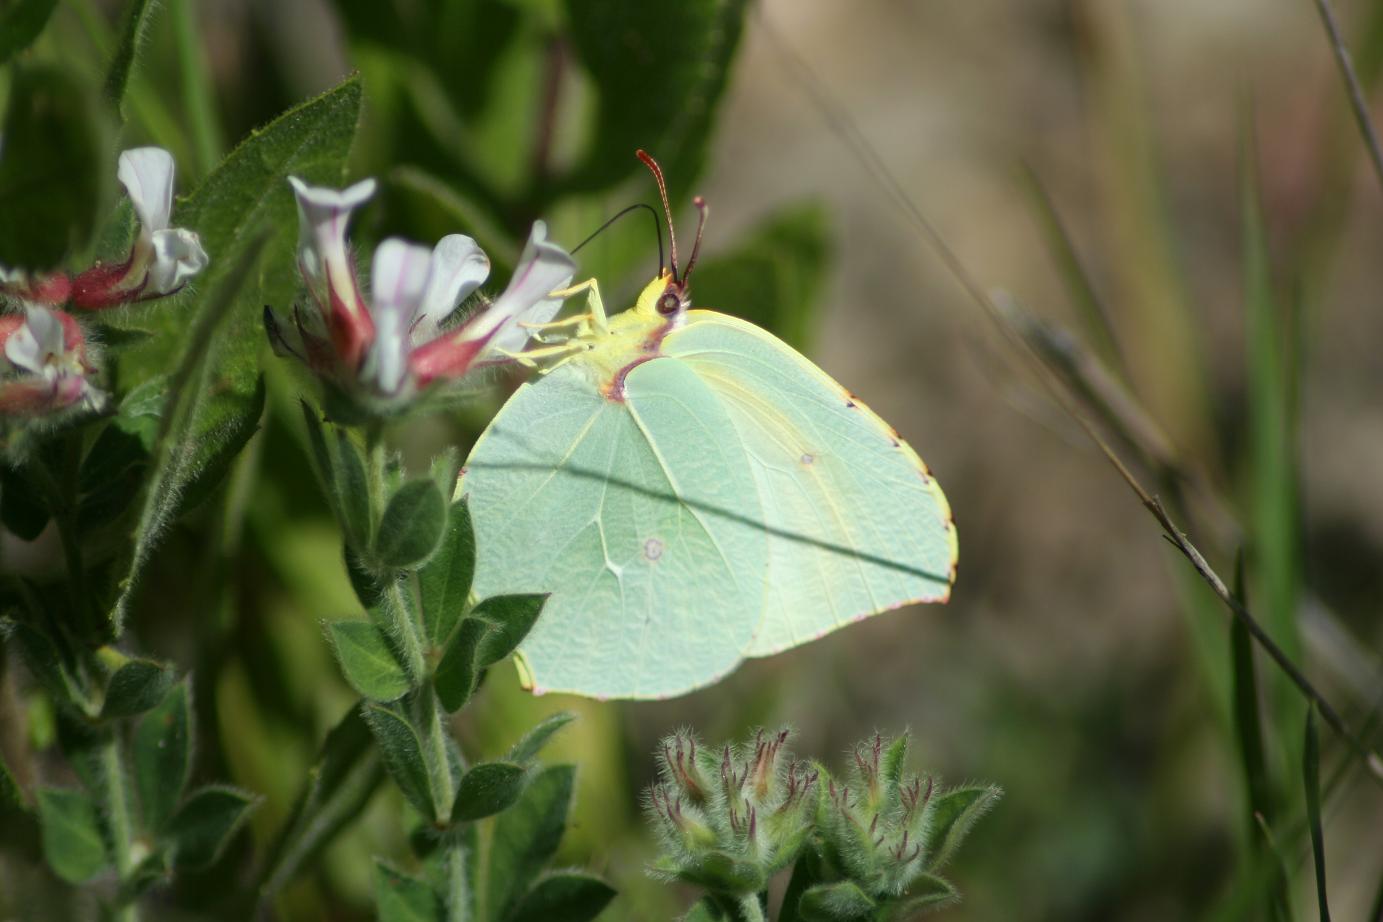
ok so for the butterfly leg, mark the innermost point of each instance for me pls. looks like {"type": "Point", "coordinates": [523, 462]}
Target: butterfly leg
{"type": "Point", "coordinates": [539, 358]}
{"type": "Point", "coordinates": [595, 305]}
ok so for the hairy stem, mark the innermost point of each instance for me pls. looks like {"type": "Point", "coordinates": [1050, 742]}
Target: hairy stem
{"type": "Point", "coordinates": [115, 803]}
{"type": "Point", "coordinates": [750, 910]}
{"type": "Point", "coordinates": [458, 895]}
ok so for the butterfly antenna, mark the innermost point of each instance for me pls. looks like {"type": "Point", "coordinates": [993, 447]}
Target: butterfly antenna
{"type": "Point", "coordinates": [657, 228]}
{"type": "Point", "coordinates": [703, 210]}
{"type": "Point", "coordinates": [657, 172]}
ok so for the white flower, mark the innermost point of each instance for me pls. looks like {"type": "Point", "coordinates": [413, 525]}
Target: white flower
{"type": "Point", "coordinates": [325, 262]}
{"type": "Point", "coordinates": [163, 258]}
{"type": "Point", "coordinates": [395, 342]}
{"type": "Point", "coordinates": [45, 354]}
{"type": "Point", "coordinates": [544, 267]}
{"type": "Point", "coordinates": [412, 291]}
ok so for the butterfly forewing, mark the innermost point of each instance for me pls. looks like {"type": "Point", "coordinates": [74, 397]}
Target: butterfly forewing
{"type": "Point", "coordinates": [855, 524]}
{"type": "Point", "coordinates": [640, 516]}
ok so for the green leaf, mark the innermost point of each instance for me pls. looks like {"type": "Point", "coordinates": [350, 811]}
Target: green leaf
{"type": "Point", "coordinates": [44, 661]}
{"type": "Point", "coordinates": [133, 31]}
{"type": "Point", "coordinates": [204, 825]}
{"type": "Point", "coordinates": [806, 873]}
{"type": "Point", "coordinates": [55, 166]}
{"type": "Point", "coordinates": [445, 582]}
{"type": "Point", "coordinates": [565, 896]}
{"type": "Point", "coordinates": [487, 789]}
{"type": "Point", "coordinates": [1311, 777]}
{"type": "Point", "coordinates": [928, 893]}
{"type": "Point", "coordinates": [136, 686]}
{"type": "Point", "coordinates": [400, 898]}
{"type": "Point", "coordinates": [527, 748]}
{"type": "Point", "coordinates": [660, 70]}
{"type": "Point", "coordinates": [161, 755]}
{"type": "Point", "coordinates": [894, 760]}
{"type": "Point", "coordinates": [458, 672]}
{"type": "Point", "coordinates": [341, 472]}
{"type": "Point", "coordinates": [346, 775]}
{"type": "Point", "coordinates": [367, 660]}
{"type": "Point", "coordinates": [246, 195]}
{"type": "Point", "coordinates": [513, 616]}
{"type": "Point", "coordinates": [20, 23]}
{"type": "Point", "coordinates": [705, 910]}
{"type": "Point", "coordinates": [72, 843]}
{"type": "Point", "coordinates": [412, 525]}
{"type": "Point", "coordinates": [354, 489]}
{"type": "Point", "coordinates": [527, 835]}
{"type": "Point", "coordinates": [181, 450]}
{"type": "Point", "coordinates": [403, 755]}
{"type": "Point", "coordinates": [721, 872]}
{"type": "Point", "coordinates": [836, 902]}
{"type": "Point", "coordinates": [953, 815]}
{"type": "Point", "coordinates": [774, 277]}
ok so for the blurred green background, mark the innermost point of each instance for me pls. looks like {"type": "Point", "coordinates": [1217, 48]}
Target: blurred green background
{"type": "Point", "coordinates": [1078, 665]}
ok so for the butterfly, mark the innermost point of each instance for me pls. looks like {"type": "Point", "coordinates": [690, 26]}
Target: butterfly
{"type": "Point", "coordinates": [692, 491]}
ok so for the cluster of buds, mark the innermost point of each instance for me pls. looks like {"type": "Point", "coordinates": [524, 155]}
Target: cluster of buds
{"type": "Point", "coordinates": [729, 820]}
{"type": "Point", "coordinates": [384, 350]}
{"type": "Point", "coordinates": [47, 363]}
{"type": "Point", "coordinates": [876, 820]}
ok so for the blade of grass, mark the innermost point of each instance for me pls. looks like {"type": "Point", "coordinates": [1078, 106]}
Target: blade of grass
{"type": "Point", "coordinates": [132, 34]}
{"type": "Point", "coordinates": [1272, 463]}
{"type": "Point", "coordinates": [1078, 282]}
{"type": "Point", "coordinates": [1282, 881]}
{"type": "Point", "coordinates": [198, 101]}
{"type": "Point", "coordinates": [1249, 730]}
{"type": "Point", "coordinates": [1311, 775]}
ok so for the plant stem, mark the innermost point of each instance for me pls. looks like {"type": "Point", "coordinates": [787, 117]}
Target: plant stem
{"type": "Point", "coordinates": [115, 801]}
{"type": "Point", "coordinates": [1357, 103]}
{"type": "Point", "coordinates": [435, 754]}
{"type": "Point", "coordinates": [406, 629]}
{"type": "Point", "coordinates": [750, 910]}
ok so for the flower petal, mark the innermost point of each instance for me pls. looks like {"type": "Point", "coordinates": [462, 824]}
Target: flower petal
{"type": "Point", "coordinates": [178, 255]}
{"type": "Point", "coordinates": [147, 175]}
{"type": "Point", "coordinates": [458, 267]}
{"type": "Point", "coordinates": [322, 217]}
{"type": "Point", "coordinates": [397, 283]}
{"type": "Point", "coordinates": [543, 268]}
{"type": "Point", "coordinates": [36, 342]}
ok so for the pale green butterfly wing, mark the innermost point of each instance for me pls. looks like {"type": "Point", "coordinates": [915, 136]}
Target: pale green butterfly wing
{"type": "Point", "coordinates": [856, 525]}
{"type": "Point", "coordinates": [640, 516]}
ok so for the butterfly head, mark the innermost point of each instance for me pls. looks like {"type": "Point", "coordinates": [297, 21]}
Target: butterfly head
{"type": "Point", "coordinates": [669, 295]}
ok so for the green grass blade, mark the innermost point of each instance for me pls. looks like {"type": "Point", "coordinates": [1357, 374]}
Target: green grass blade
{"type": "Point", "coordinates": [132, 33]}
{"type": "Point", "coordinates": [1079, 285]}
{"type": "Point", "coordinates": [1272, 461]}
{"type": "Point", "coordinates": [1247, 719]}
{"type": "Point", "coordinates": [1311, 775]}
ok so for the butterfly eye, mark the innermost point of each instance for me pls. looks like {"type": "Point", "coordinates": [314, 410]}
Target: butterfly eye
{"type": "Point", "coordinates": [670, 302]}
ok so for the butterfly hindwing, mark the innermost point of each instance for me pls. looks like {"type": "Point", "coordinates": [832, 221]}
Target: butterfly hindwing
{"type": "Point", "coordinates": [855, 523]}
